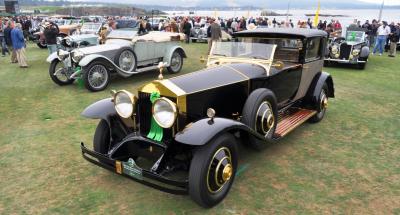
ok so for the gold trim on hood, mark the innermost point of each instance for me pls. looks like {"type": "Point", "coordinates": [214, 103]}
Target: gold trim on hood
{"type": "Point", "coordinates": [169, 89]}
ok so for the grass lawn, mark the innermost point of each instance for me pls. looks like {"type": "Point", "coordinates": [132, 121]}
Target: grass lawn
{"type": "Point", "coordinates": [348, 163]}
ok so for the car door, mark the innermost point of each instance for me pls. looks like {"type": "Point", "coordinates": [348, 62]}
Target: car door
{"type": "Point", "coordinates": [313, 63]}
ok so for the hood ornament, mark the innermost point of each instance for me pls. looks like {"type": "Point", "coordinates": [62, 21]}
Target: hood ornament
{"type": "Point", "coordinates": [161, 67]}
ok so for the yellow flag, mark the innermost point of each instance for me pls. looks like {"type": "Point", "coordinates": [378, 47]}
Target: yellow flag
{"type": "Point", "coordinates": [316, 18]}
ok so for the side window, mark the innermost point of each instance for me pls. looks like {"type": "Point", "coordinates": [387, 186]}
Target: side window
{"type": "Point", "coordinates": [313, 49]}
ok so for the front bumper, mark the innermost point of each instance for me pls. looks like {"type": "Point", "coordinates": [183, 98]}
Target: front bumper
{"type": "Point", "coordinates": [345, 61]}
{"type": "Point", "coordinates": [146, 177]}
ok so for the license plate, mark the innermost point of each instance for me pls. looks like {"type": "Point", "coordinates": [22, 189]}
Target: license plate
{"type": "Point", "coordinates": [132, 169]}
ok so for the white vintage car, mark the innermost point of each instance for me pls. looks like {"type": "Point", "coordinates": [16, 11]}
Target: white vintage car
{"type": "Point", "coordinates": [125, 53]}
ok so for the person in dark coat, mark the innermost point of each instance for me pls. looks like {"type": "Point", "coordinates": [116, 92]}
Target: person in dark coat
{"type": "Point", "coordinates": [51, 32]}
{"type": "Point", "coordinates": [7, 38]}
{"type": "Point", "coordinates": [186, 29]}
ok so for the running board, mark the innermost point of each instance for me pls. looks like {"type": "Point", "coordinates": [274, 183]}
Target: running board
{"type": "Point", "coordinates": [291, 119]}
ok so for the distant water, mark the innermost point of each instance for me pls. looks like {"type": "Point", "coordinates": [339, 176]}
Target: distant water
{"type": "Point", "coordinates": [360, 14]}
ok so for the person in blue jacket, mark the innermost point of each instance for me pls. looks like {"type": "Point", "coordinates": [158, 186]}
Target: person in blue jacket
{"type": "Point", "coordinates": [18, 42]}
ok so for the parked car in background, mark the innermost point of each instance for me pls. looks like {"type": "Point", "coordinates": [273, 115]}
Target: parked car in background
{"type": "Point", "coordinates": [199, 34]}
{"type": "Point", "coordinates": [155, 22]}
{"type": "Point", "coordinates": [124, 53]}
{"type": "Point", "coordinates": [352, 49]}
{"type": "Point", "coordinates": [181, 135]}
{"type": "Point", "coordinates": [85, 35]}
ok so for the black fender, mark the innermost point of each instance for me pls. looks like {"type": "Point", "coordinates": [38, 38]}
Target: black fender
{"type": "Point", "coordinates": [204, 130]}
{"type": "Point", "coordinates": [364, 52]}
{"type": "Point", "coordinates": [102, 109]}
{"type": "Point", "coordinates": [316, 86]}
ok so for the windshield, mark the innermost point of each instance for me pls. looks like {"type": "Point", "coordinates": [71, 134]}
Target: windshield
{"type": "Point", "coordinates": [243, 50]}
{"type": "Point", "coordinates": [126, 33]}
{"type": "Point", "coordinates": [287, 49]}
{"type": "Point", "coordinates": [90, 27]}
{"type": "Point", "coordinates": [355, 36]}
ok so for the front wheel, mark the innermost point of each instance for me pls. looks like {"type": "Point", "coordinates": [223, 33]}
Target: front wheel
{"type": "Point", "coordinates": [59, 74]}
{"type": "Point", "coordinates": [96, 76]}
{"type": "Point", "coordinates": [212, 171]}
{"type": "Point", "coordinates": [101, 139]}
{"type": "Point", "coordinates": [361, 66]}
{"type": "Point", "coordinates": [176, 62]}
{"type": "Point", "coordinates": [42, 44]}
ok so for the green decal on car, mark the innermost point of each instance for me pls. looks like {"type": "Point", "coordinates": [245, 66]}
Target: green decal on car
{"type": "Point", "coordinates": [156, 131]}
{"type": "Point", "coordinates": [79, 79]}
{"type": "Point", "coordinates": [132, 169]}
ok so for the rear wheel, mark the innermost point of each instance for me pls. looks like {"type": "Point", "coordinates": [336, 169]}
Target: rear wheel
{"type": "Point", "coordinates": [59, 74]}
{"type": "Point", "coordinates": [212, 171]}
{"type": "Point", "coordinates": [176, 62]}
{"type": "Point", "coordinates": [96, 76]}
{"type": "Point", "coordinates": [322, 104]}
{"type": "Point", "coordinates": [261, 114]}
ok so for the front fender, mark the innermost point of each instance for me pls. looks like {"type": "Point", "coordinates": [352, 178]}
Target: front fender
{"type": "Point", "coordinates": [90, 58]}
{"type": "Point", "coordinates": [52, 57]}
{"type": "Point", "coordinates": [364, 52]}
{"type": "Point", "coordinates": [102, 109]}
{"type": "Point", "coordinates": [202, 131]}
{"type": "Point", "coordinates": [168, 55]}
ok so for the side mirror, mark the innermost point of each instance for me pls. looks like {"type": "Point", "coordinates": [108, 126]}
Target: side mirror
{"type": "Point", "coordinates": [202, 59]}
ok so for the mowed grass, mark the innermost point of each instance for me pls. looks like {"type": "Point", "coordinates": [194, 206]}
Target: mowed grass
{"type": "Point", "coordinates": [348, 163]}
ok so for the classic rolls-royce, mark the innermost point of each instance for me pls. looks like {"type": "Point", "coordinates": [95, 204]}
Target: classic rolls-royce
{"type": "Point", "coordinates": [180, 135]}
{"type": "Point", "coordinates": [352, 49]}
{"type": "Point", "coordinates": [124, 53]}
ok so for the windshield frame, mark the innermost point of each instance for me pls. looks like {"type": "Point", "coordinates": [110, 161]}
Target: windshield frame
{"type": "Point", "coordinates": [215, 60]}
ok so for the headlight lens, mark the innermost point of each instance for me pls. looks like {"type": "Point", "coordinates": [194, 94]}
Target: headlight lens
{"type": "Point", "coordinates": [335, 50]}
{"type": "Point", "coordinates": [62, 54]}
{"type": "Point", "coordinates": [164, 112]}
{"type": "Point", "coordinates": [68, 41]}
{"type": "Point", "coordinates": [356, 52]}
{"type": "Point", "coordinates": [77, 55]}
{"type": "Point", "coordinates": [124, 103]}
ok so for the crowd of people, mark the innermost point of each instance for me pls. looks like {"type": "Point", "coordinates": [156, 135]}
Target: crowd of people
{"type": "Point", "coordinates": [14, 30]}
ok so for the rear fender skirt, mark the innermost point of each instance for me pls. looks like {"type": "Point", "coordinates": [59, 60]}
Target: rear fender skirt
{"type": "Point", "coordinates": [316, 87]}
{"type": "Point", "coordinates": [202, 131]}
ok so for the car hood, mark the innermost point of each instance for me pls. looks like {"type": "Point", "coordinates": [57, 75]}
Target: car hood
{"type": "Point", "coordinates": [82, 37]}
{"type": "Point", "coordinates": [206, 79]}
{"type": "Point", "coordinates": [99, 48]}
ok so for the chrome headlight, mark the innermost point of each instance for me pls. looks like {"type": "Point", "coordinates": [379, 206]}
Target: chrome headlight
{"type": "Point", "coordinates": [356, 52]}
{"type": "Point", "coordinates": [124, 103]}
{"type": "Point", "coordinates": [164, 112]}
{"type": "Point", "coordinates": [77, 55]}
{"type": "Point", "coordinates": [68, 41]}
{"type": "Point", "coordinates": [62, 55]}
{"type": "Point", "coordinates": [335, 50]}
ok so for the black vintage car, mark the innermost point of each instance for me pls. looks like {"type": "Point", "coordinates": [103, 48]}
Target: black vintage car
{"type": "Point", "coordinates": [352, 49]}
{"type": "Point", "coordinates": [180, 135]}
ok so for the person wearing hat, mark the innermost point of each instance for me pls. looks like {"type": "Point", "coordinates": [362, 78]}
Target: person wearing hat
{"type": "Point", "coordinates": [383, 32]}
{"type": "Point", "coordinates": [51, 32]}
{"type": "Point", "coordinates": [18, 41]}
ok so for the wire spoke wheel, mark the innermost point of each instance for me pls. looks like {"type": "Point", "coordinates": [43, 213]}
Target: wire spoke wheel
{"type": "Point", "coordinates": [61, 73]}
{"type": "Point", "coordinates": [126, 60]}
{"type": "Point", "coordinates": [176, 61]}
{"type": "Point", "coordinates": [98, 76]}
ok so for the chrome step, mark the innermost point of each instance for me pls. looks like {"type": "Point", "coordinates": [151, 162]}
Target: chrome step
{"type": "Point", "coordinates": [291, 119]}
